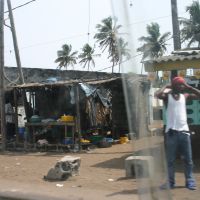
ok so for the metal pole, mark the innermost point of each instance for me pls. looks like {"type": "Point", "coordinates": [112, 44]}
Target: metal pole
{"type": "Point", "coordinates": [2, 91]}
{"type": "Point", "coordinates": [15, 41]}
{"type": "Point", "coordinates": [16, 115]}
{"type": "Point", "coordinates": [78, 118]}
{"type": "Point", "coordinates": [176, 30]}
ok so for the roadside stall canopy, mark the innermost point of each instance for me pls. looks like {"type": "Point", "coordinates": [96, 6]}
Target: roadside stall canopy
{"type": "Point", "coordinates": [55, 98]}
{"type": "Point", "coordinates": [178, 60]}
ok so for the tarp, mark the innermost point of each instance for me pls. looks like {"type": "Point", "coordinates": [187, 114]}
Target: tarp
{"type": "Point", "coordinates": [98, 111]}
{"type": "Point", "coordinates": [103, 94]}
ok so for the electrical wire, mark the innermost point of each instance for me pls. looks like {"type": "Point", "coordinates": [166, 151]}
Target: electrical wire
{"type": "Point", "coordinates": [152, 19]}
{"type": "Point", "coordinates": [84, 34]}
{"type": "Point", "coordinates": [20, 6]}
{"type": "Point", "coordinates": [10, 82]}
{"type": "Point", "coordinates": [86, 73]}
{"type": "Point", "coordinates": [80, 35]}
{"type": "Point", "coordinates": [89, 21]}
{"type": "Point", "coordinates": [51, 42]}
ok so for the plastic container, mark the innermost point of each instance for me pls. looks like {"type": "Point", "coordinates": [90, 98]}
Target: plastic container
{"type": "Point", "coordinates": [123, 140]}
{"type": "Point", "coordinates": [67, 141]}
{"type": "Point", "coordinates": [95, 139]}
{"type": "Point", "coordinates": [67, 118]}
{"type": "Point", "coordinates": [21, 131]}
{"type": "Point", "coordinates": [109, 140]}
{"type": "Point", "coordinates": [35, 119]}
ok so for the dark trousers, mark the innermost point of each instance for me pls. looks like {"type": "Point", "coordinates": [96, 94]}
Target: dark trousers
{"type": "Point", "coordinates": [10, 130]}
{"type": "Point", "coordinates": [177, 141]}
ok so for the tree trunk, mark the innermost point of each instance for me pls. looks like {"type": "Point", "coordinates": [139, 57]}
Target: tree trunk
{"type": "Point", "coordinates": [119, 67]}
{"type": "Point", "coordinates": [113, 67]}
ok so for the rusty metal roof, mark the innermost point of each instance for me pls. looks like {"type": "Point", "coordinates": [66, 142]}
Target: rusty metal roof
{"type": "Point", "coordinates": [177, 60]}
{"type": "Point", "coordinates": [177, 56]}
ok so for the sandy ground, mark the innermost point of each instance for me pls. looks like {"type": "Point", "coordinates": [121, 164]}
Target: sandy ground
{"type": "Point", "coordinates": [102, 175]}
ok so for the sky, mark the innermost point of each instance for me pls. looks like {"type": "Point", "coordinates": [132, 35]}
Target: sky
{"type": "Point", "coordinates": [43, 26]}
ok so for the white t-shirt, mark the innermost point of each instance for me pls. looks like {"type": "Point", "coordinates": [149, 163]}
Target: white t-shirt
{"type": "Point", "coordinates": [176, 114]}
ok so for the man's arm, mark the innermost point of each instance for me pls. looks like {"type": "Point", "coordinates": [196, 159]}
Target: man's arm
{"type": "Point", "coordinates": [161, 94]}
{"type": "Point", "coordinates": [194, 93]}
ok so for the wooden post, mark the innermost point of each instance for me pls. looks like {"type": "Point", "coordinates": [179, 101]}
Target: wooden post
{"type": "Point", "coordinates": [78, 118]}
{"type": "Point", "coordinates": [16, 116]}
{"type": "Point", "coordinates": [2, 91]}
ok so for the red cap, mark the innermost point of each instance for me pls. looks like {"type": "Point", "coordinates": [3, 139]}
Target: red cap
{"type": "Point", "coordinates": [178, 80]}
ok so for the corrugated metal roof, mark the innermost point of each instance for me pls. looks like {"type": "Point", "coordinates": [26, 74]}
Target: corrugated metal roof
{"type": "Point", "coordinates": [176, 56]}
{"type": "Point", "coordinates": [178, 60]}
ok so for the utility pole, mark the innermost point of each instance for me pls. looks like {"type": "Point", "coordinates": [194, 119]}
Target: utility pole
{"type": "Point", "coordinates": [2, 89]}
{"type": "Point", "coordinates": [176, 31]}
{"type": "Point", "coordinates": [18, 61]}
{"type": "Point", "coordinates": [15, 41]}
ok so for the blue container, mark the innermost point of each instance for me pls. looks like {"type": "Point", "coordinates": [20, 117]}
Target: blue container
{"type": "Point", "coordinates": [67, 141]}
{"type": "Point", "coordinates": [109, 140]}
{"type": "Point", "coordinates": [21, 131]}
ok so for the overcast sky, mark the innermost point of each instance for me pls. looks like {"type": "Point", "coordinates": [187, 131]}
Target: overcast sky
{"type": "Point", "coordinates": [43, 26]}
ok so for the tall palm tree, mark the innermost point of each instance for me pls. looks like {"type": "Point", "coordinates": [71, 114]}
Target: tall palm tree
{"type": "Point", "coordinates": [87, 56]}
{"type": "Point", "coordinates": [191, 27]}
{"type": "Point", "coordinates": [66, 57]}
{"type": "Point", "coordinates": [121, 51]}
{"type": "Point", "coordinates": [106, 36]}
{"type": "Point", "coordinates": [155, 43]}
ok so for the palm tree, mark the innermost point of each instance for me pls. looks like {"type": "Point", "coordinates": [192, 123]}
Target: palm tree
{"type": "Point", "coordinates": [66, 57]}
{"type": "Point", "coordinates": [107, 36]}
{"type": "Point", "coordinates": [120, 52]}
{"type": "Point", "coordinates": [191, 27]}
{"type": "Point", "coordinates": [87, 56]}
{"type": "Point", "coordinates": [155, 43]}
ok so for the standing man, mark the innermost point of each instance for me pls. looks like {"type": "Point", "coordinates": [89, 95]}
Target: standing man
{"type": "Point", "coordinates": [177, 129]}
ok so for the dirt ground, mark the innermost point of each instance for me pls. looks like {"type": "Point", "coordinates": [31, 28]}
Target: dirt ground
{"type": "Point", "coordinates": [102, 175]}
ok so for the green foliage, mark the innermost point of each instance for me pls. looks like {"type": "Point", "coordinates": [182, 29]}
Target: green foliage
{"type": "Point", "coordinates": [190, 31]}
{"type": "Point", "coordinates": [107, 37]}
{"type": "Point", "coordinates": [66, 57]}
{"type": "Point", "coordinates": [155, 43]}
{"type": "Point", "coordinates": [87, 56]}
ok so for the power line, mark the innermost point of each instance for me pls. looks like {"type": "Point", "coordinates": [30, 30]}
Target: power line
{"type": "Point", "coordinates": [89, 21]}
{"type": "Point", "coordinates": [86, 73]}
{"type": "Point", "coordinates": [20, 6]}
{"type": "Point", "coordinates": [152, 19]}
{"type": "Point", "coordinates": [80, 35]}
{"type": "Point", "coordinates": [53, 41]}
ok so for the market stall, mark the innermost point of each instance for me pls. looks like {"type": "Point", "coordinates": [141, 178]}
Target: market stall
{"type": "Point", "coordinates": [47, 105]}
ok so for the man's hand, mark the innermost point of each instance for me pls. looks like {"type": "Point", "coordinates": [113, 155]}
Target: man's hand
{"type": "Point", "coordinates": [162, 93]}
